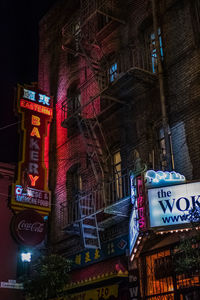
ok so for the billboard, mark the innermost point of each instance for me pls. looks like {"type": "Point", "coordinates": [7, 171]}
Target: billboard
{"type": "Point", "coordinates": [31, 187]}
{"type": "Point", "coordinates": [170, 205]}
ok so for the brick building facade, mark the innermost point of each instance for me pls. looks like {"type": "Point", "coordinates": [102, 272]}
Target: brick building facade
{"type": "Point", "coordinates": [125, 82]}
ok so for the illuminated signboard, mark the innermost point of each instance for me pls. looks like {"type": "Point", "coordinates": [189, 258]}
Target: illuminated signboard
{"type": "Point", "coordinates": [133, 187]}
{"type": "Point", "coordinates": [141, 203]}
{"type": "Point", "coordinates": [138, 219]}
{"type": "Point", "coordinates": [133, 224]}
{"type": "Point", "coordinates": [133, 228]}
{"type": "Point", "coordinates": [160, 178]}
{"type": "Point", "coordinates": [169, 206]}
{"type": "Point", "coordinates": [31, 188]}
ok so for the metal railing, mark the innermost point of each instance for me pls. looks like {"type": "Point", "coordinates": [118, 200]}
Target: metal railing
{"type": "Point", "coordinates": [131, 58]}
{"type": "Point", "coordinates": [100, 198]}
{"type": "Point", "coordinates": [106, 7]}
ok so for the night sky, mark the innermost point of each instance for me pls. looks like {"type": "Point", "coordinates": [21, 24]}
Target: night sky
{"type": "Point", "coordinates": [19, 63]}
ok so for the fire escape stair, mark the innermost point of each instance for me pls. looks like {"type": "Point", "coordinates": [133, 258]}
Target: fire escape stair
{"type": "Point", "coordinates": [88, 224]}
{"type": "Point", "coordinates": [93, 147]}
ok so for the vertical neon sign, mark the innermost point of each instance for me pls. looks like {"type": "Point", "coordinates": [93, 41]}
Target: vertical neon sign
{"type": "Point", "coordinates": [141, 203]}
{"type": "Point", "coordinates": [31, 188]}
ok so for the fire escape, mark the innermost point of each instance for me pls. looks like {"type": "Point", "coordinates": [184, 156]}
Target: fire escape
{"type": "Point", "coordinates": [113, 84]}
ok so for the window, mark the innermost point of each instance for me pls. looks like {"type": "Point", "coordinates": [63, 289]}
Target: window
{"type": "Point", "coordinates": [154, 55]}
{"type": "Point", "coordinates": [113, 72]}
{"type": "Point", "coordinates": [117, 170]}
{"type": "Point", "coordinates": [76, 183]}
{"type": "Point", "coordinates": [74, 187]}
{"type": "Point", "coordinates": [74, 100]}
{"type": "Point", "coordinates": [155, 273]}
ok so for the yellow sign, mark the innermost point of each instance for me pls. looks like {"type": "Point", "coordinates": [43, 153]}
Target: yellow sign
{"type": "Point", "coordinates": [95, 294]}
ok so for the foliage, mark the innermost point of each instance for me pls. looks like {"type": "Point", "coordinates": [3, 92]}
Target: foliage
{"type": "Point", "coordinates": [48, 277]}
{"type": "Point", "coordinates": [187, 254]}
{"type": "Point", "coordinates": [194, 216]}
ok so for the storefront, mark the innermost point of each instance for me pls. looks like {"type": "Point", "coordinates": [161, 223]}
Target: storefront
{"type": "Point", "coordinates": [103, 280]}
{"type": "Point", "coordinates": [159, 279]}
{"type": "Point", "coordinates": [154, 251]}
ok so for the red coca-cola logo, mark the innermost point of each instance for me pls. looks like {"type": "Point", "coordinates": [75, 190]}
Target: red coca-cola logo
{"type": "Point", "coordinates": [28, 227]}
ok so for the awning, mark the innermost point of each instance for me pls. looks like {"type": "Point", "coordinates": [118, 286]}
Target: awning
{"type": "Point", "coordinates": [94, 294]}
{"type": "Point", "coordinates": [105, 270]}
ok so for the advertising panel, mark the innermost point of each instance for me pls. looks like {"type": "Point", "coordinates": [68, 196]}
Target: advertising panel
{"type": "Point", "coordinates": [170, 205]}
{"type": "Point", "coordinates": [28, 227]}
{"type": "Point", "coordinates": [31, 187]}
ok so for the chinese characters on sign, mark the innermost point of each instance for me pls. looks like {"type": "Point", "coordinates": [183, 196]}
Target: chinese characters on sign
{"type": "Point", "coordinates": [109, 249]}
{"type": "Point", "coordinates": [31, 188]}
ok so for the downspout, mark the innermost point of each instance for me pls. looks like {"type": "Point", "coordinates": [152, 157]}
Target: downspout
{"type": "Point", "coordinates": [161, 87]}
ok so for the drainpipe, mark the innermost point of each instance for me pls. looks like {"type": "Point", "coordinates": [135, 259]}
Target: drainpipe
{"type": "Point", "coordinates": [165, 124]}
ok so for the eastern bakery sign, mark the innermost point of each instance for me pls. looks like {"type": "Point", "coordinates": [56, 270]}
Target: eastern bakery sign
{"type": "Point", "coordinates": [28, 227]}
{"type": "Point", "coordinates": [170, 205]}
{"type": "Point", "coordinates": [31, 188]}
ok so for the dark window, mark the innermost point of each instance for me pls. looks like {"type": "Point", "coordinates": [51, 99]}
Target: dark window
{"type": "Point", "coordinates": [74, 187]}
{"type": "Point", "coordinates": [195, 18]}
{"type": "Point", "coordinates": [162, 144]}
{"type": "Point", "coordinates": [103, 20]}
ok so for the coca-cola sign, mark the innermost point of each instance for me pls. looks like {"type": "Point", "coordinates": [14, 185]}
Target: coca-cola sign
{"type": "Point", "coordinates": [28, 227]}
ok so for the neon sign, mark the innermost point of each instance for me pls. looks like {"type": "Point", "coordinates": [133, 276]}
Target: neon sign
{"type": "Point", "coordinates": [133, 188]}
{"type": "Point", "coordinates": [141, 204]}
{"type": "Point", "coordinates": [33, 96]}
{"type": "Point", "coordinates": [36, 110]}
{"type": "Point", "coordinates": [160, 178]}
{"type": "Point", "coordinates": [36, 107]}
{"type": "Point", "coordinates": [32, 196]}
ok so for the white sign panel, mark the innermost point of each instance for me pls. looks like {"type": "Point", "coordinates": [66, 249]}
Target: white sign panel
{"type": "Point", "coordinates": [10, 285]}
{"type": "Point", "coordinates": [170, 205]}
{"type": "Point", "coordinates": [133, 228]}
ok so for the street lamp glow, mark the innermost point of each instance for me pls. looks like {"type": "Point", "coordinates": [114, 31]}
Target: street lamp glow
{"type": "Point", "coordinates": [26, 257]}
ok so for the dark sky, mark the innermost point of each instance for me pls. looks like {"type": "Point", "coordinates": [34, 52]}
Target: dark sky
{"type": "Point", "coordinates": [19, 62]}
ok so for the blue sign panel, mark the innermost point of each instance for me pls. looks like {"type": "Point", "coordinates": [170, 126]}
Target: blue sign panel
{"type": "Point", "coordinates": [109, 249]}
